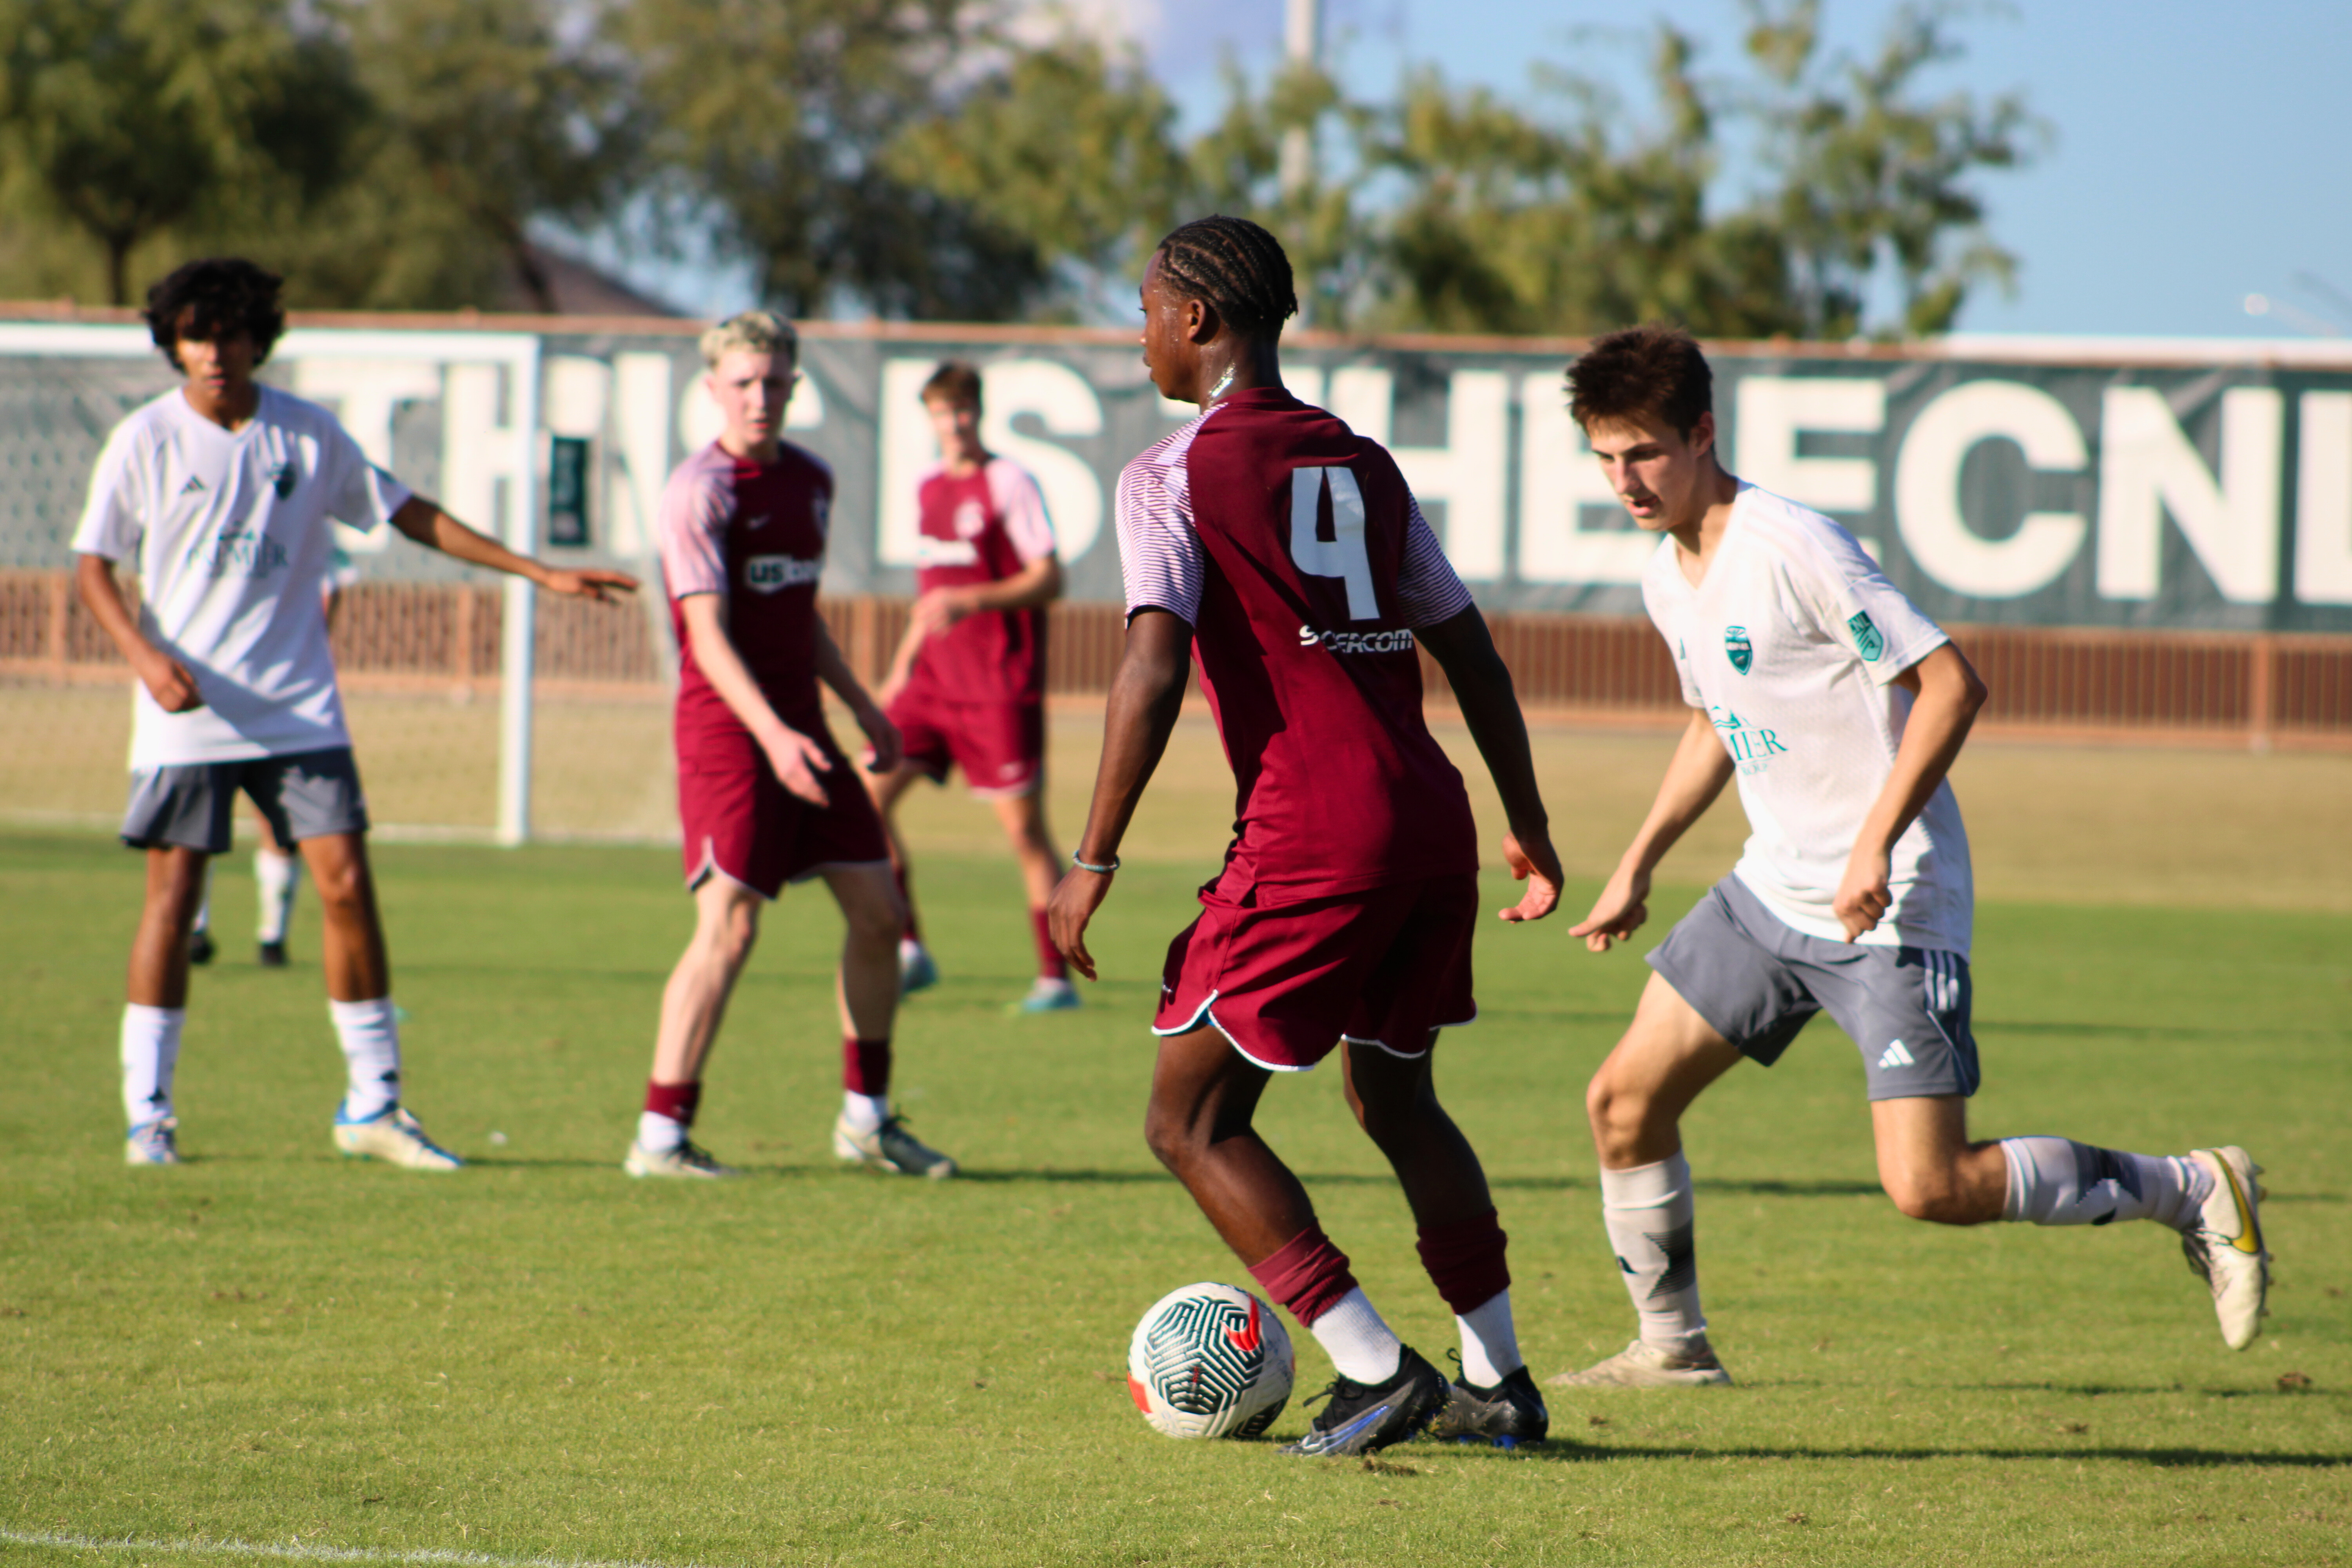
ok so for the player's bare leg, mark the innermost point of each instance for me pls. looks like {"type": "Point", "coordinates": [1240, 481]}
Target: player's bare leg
{"type": "Point", "coordinates": [1461, 1240]}
{"type": "Point", "coordinates": [371, 1122]}
{"type": "Point", "coordinates": [1204, 1096]}
{"type": "Point", "coordinates": [157, 993]}
{"type": "Point", "coordinates": [1930, 1169]}
{"type": "Point", "coordinates": [917, 971]}
{"type": "Point", "coordinates": [1023, 817]}
{"type": "Point", "coordinates": [1635, 1103]}
{"type": "Point", "coordinates": [867, 990]}
{"type": "Point", "coordinates": [694, 1004]}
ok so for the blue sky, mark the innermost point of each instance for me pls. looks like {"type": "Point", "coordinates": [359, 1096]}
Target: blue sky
{"type": "Point", "coordinates": [2199, 153]}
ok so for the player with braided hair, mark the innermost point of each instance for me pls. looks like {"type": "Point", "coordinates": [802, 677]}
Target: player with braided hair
{"type": "Point", "coordinates": [1288, 550]}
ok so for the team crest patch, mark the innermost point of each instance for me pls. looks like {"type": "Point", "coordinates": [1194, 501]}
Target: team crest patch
{"type": "Point", "coordinates": [1737, 648]}
{"type": "Point", "coordinates": [1868, 641]}
{"type": "Point", "coordinates": [281, 479]}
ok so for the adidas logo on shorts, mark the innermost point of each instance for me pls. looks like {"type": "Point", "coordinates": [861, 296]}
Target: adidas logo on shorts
{"type": "Point", "coordinates": [1896, 1054]}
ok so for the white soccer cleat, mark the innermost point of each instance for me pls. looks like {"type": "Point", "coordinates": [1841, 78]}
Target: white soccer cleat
{"type": "Point", "coordinates": [2225, 1245]}
{"type": "Point", "coordinates": [1048, 996]}
{"type": "Point", "coordinates": [1641, 1365]}
{"type": "Point", "coordinates": [152, 1142]}
{"type": "Point", "coordinates": [396, 1138]}
{"type": "Point", "coordinates": [688, 1160]}
{"type": "Point", "coordinates": [890, 1147]}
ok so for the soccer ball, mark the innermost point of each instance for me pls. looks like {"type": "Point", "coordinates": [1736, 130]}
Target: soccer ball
{"type": "Point", "coordinates": [1209, 1361]}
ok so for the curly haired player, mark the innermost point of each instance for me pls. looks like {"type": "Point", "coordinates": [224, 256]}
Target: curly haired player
{"type": "Point", "coordinates": [226, 492]}
{"type": "Point", "coordinates": [1289, 552]}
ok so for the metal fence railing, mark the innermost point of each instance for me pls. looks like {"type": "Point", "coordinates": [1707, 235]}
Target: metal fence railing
{"type": "Point", "coordinates": [420, 664]}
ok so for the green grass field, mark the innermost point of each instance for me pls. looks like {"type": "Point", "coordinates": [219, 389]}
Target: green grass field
{"type": "Point", "coordinates": [538, 1358]}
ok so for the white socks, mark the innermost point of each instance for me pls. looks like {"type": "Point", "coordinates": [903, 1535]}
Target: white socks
{"type": "Point", "coordinates": [2056, 1181]}
{"type": "Point", "coordinates": [1490, 1346]}
{"type": "Point", "coordinates": [371, 1042]}
{"type": "Point", "coordinates": [151, 1051]}
{"type": "Point", "coordinates": [865, 1112]}
{"type": "Point", "coordinates": [1362, 1347]}
{"type": "Point", "coordinates": [277, 876]}
{"type": "Point", "coordinates": [660, 1134]}
{"type": "Point", "coordinates": [1648, 1212]}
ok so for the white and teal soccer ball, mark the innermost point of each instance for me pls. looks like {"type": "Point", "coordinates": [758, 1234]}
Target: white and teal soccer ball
{"type": "Point", "coordinates": [1210, 1361]}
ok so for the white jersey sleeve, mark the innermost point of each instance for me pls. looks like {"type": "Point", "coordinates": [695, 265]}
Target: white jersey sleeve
{"type": "Point", "coordinates": [1021, 506]}
{"type": "Point", "coordinates": [1429, 591]}
{"type": "Point", "coordinates": [1856, 606]}
{"type": "Point", "coordinates": [358, 492]}
{"type": "Point", "coordinates": [114, 519]}
{"type": "Point", "coordinates": [1160, 557]}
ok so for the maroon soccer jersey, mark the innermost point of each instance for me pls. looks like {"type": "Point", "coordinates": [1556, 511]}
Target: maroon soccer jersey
{"type": "Point", "coordinates": [1295, 549]}
{"type": "Point", "coordinates": [982, 527]}
{"type": "Point", "coordinates": [755, 533]}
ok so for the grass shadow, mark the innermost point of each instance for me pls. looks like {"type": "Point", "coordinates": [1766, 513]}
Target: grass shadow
{"type": "Point", "coordinates": [1577, 1453]}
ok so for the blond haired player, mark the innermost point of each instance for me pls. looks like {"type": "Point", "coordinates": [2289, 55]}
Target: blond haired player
{"type": "Point", "coordinates": [1839, 708]}
{"type": "Point", "coordinates": [764, 795]}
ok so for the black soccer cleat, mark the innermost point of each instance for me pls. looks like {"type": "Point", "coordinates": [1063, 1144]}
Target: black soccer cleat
{"type": "Point", "coordinates": [272, 955]}
{"type": "Point", "coordinates": [1360, 1418]}
{"type": "Point", "coordinates": [1510, 1414]}
{"type": "Point", "coordinates": [200, 948]}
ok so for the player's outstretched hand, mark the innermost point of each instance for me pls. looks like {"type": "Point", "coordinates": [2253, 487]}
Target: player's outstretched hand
{"type": "Point", "coordinates": [1535, 862]}
{"type": "Point", "coordinates": [1075, 898]}
{"type": "Point", "coordinates": [1618, 912]}
{"type": "Point", "coordinates": [885, 745]}
{"type": "Point", "coordinates": [590, 582]}
{"type": "Point", "coordinates": [798, 761]}
{"type": "Point", "coordinates": [1863, 895]}
{"type": "Point", "coordinates": [170, 684]}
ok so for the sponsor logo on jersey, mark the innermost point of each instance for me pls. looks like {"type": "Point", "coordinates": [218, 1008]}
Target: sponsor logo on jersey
{"type": "Point", "coordinates": [282, 478]}
{"type": "Point", "coordinates": [1752, 749]}
{"type": "Point", "coordinates": [775, 574]}
{"type": "Point", "coordinates": [1397, 641]}
{"type": "Point", "coordinates": [931, 551]}
{"type": "Point", "coordinates": [1737, 648]}
{"type": "Point", "coordinates": [759, 521]}
{"type": "Point", "coordinates": [245, 552]}
{"type": "Point", "coordinates": [1868, 641]}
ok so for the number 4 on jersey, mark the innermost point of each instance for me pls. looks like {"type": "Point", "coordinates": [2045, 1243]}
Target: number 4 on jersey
{"type": "Point", "coordinates": [1343, 555]}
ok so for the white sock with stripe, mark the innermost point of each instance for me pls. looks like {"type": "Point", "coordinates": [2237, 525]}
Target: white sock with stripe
{"type": "Point", "coordinates": [370, 1035]}
{"type": "Point", "coordinates": [2056, 1181]}
{"type": "Point", "coordinates": [1648, 1210]}
{"type": "Point", "coordinates": [277, 876]}
{"type": "Point", "coordinates": [150, 1052]}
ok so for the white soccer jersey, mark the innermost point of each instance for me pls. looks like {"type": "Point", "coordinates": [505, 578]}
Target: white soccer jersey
{"type": "Point", "coordinates": [1791, 644]}
{"type": "Point", "coordinates": [233, 535]}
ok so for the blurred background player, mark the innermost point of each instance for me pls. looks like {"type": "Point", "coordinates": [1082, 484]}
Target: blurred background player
{"type": "Point", "coordinates": [763, 794]}
{"type": "Point", "coordinates": [1288, 550]}
{"type": "Point", "coordinates": [226, 492]}
{"type": "Point", "coordinates": [1839, 708]}
{"type": "Point", "coordinates": [276, 868]}
{"type": "Point", "coordinates": [968, 685]}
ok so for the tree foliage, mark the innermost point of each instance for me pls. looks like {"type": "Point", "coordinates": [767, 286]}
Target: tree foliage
{"type": "Point", "coordinates": [923, 158]}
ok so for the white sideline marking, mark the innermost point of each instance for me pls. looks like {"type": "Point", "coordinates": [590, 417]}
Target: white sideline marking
{"type": "Point", "coordinates": [302, 1553]}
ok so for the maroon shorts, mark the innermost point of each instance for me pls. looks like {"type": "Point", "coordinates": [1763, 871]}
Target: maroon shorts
{"type": "Point", "coordinates": [1288, 983]}
{"type": "Point", "coordinates": [1000, 746]}
{"type": "Point", "coordinates": [744, 824]}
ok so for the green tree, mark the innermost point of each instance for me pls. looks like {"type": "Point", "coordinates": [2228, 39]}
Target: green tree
{"type": "Point", "coordinates": [1068, 148]}
{"type": "Point", "coordinates": [481, 113]}
{"type": "Point", "coordinates": [1872, 176]}
{"type": "Point", "coordinates": [129, 117]}
{"type": "Point", "coordinates": [780, 120]}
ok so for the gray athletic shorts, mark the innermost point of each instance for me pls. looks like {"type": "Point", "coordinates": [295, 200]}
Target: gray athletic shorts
{"type": "Point", "coordinates": [303, 796]}
{"type": "Point", "coordinates": [1758, 982]}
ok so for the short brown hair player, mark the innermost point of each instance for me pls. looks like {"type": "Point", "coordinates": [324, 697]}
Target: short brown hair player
{"type": "Point", "coordinates": [1839, 708]}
